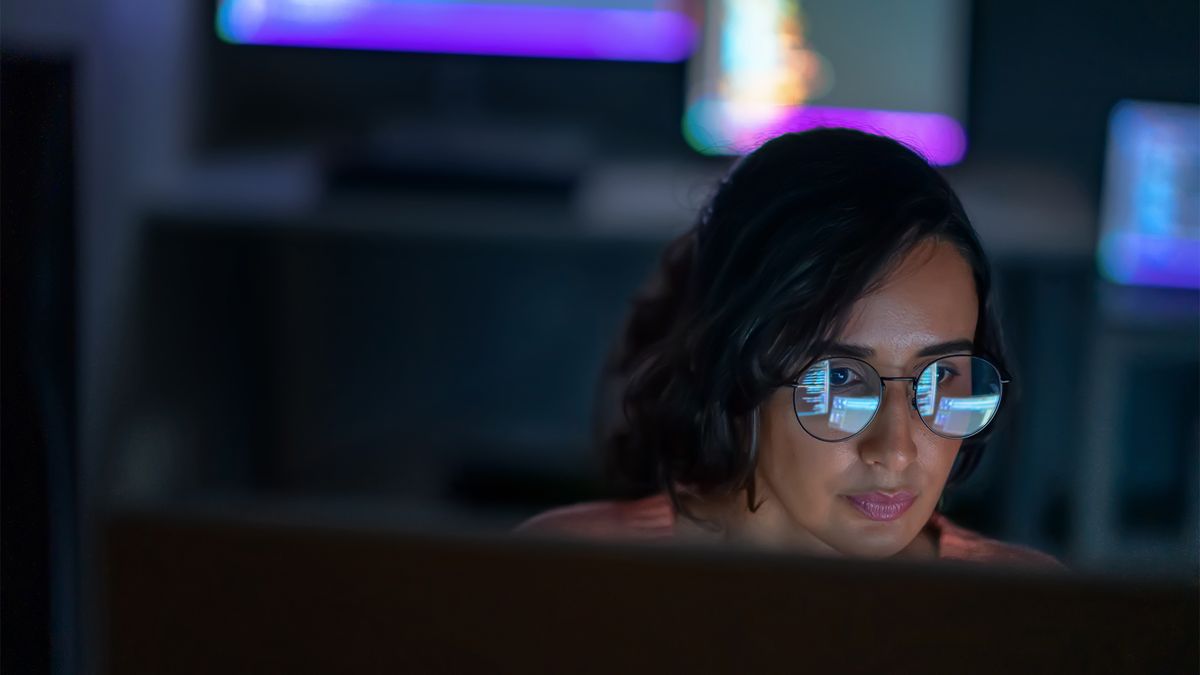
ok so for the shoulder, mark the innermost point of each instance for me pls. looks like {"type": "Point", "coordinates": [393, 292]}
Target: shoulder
{"type": "Point", "coordinates": [957, 543]}
{"type": "Point", "coordinates": [648, 518]}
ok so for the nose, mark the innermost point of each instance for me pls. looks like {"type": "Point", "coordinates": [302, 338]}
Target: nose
{"type": "Point", "coordinates": [888, 441]}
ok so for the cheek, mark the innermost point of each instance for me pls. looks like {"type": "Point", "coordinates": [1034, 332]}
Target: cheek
{"type": "Point", "coordinates": [937, 454]}
{"type": "Point", "coordinates": [800, 469]}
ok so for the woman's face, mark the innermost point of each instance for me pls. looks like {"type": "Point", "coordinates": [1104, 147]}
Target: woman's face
{"type": "Point", "coordinates": [926, 308]}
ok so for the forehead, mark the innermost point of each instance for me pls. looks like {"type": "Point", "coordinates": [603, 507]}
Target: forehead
{"type": "Point", "coordinates": [927, 299]}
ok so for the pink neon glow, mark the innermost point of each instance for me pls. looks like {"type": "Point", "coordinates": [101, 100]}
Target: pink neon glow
{"type": "Point", "coordinates": [461, 28]}
{"type": "Point", "coordinates": [939, 138]}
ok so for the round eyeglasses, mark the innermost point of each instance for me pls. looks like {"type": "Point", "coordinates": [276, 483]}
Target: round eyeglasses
{"type": "Point", "coordinates": [955, 396]}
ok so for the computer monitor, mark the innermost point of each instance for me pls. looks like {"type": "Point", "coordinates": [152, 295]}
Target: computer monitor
{"type": "Point", "coordinates": [500, 88]}
{"type": "Point", "coordinates": [618, 30]}
{"type": "Point", "coordinates": [1150, 217]}
{"type": "Point", "coordinates": [772, 66]}
{"type": "Point", "coordinates": [200, 592]}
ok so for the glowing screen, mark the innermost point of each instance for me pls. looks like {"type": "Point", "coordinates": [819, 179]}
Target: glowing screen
{"type": "Point", "coordinates": [765, 67]}
{"type": "Point", "coordinates": [618, 30]}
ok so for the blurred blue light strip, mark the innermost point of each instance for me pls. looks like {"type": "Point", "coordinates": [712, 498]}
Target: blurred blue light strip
{"type": "Point", "coordinates": [461, 28]}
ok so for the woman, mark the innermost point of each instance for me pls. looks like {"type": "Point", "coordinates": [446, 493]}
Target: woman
{"type": "Point", "coordinates": [817, 359]}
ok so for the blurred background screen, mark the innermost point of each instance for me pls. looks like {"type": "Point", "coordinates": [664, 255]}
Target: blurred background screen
{"type": "Point", "coordinates": [783, 65]}
{"type": "Point", "coordinates": [621, 30]}
{"type": "Point", "coordinates": [1150, 219]}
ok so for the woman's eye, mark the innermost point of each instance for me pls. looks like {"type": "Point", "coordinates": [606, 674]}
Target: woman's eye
{"type": "Point", "coordinates": [840, 377]}
{"type": "Point", "coordinates": [945, 374]}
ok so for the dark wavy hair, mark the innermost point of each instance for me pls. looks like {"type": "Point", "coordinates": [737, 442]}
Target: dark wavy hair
{"type": "Point", "coordinates": [796, 233]}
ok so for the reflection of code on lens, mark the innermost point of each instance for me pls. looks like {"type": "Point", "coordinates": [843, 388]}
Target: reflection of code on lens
{"type": "Point", "coordinates": [813, 392]}
{"type": "Point", "coordinates": [927, 390]}
{"type": "Point", "coordinates": [852, 414]}
{"type": "Point", "coordinates": [963, 416]}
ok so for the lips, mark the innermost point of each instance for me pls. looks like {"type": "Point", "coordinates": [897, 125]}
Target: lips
{"type": "Point", "coordinates": [882, 507]}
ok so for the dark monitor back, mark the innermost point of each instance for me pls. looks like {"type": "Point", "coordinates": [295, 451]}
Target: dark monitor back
{"type": "Point", "coordinates": [205, 594]}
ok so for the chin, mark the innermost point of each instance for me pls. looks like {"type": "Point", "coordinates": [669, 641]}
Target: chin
{"type": "Point", "coordinates": [876, 540]}
{"type": "Point", "coordinates": [873, 550]}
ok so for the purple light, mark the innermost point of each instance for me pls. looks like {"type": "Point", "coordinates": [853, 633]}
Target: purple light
{"type": "Point", "coordinates": [938, 138]}
{"type": "Point", "coordinates": [503, 30]}
{"type": "Point", "coordinates": [1149, 260]}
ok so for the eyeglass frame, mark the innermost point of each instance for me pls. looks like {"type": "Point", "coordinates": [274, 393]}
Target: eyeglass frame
{"type": "Point", "coordinates": [883, 390]}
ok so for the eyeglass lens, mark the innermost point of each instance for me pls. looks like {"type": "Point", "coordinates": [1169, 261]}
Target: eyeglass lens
{"type": "Point", "coordinates": [956, 396]}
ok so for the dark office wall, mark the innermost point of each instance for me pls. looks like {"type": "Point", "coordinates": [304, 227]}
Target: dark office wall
{"type": "Point", "coordinates": [1044, 75]}
{"type": "Point", "coordinates": [38, 345]}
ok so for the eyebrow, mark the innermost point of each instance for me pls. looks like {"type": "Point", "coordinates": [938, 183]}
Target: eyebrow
{"type": "Point", "coordinates": [862, 352]}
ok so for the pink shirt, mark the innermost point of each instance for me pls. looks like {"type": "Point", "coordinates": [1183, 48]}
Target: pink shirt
{"type": "Point", "coordinates": [654, 517]}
